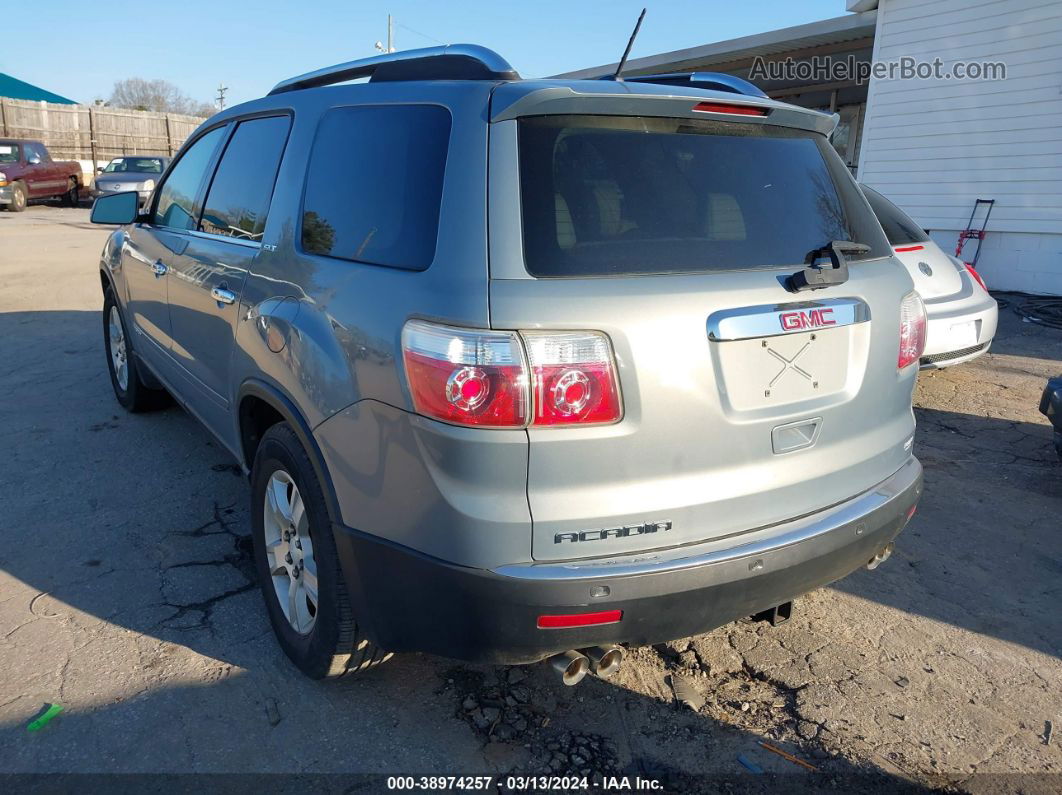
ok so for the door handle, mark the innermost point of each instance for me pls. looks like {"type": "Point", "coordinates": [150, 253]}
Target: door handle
{"type": "Point", "coordinates": [223, 296]}
{"type": "Point", "coordinates": [159, 268]}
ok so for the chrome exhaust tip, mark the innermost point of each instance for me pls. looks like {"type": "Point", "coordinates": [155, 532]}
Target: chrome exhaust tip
{"type": "Point", "coordinates": [571, 665]}
{"type": "Point", "coordinates": [604, 660]}
{"type": "Point", "coordinates": [881, 557]}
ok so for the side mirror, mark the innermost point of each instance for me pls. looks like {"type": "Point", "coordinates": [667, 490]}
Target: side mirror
{"type": "Point", "coordinates": [117, 208]}
{"type": "Point", "coordinates": [33, 160]}
{"type": "Point", "coordinates": [99, 169]}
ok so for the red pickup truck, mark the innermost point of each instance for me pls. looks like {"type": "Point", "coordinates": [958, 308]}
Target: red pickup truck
{"type": "Point", "coordinates": [27, 172]}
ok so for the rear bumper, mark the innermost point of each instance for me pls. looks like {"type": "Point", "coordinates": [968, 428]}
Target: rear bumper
{"type": "Point", "coordinates": [411, 602]}
{"type": "Point", "coordinates": [948, 324]}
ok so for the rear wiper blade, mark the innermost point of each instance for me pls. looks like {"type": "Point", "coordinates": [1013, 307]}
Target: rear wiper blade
{"type": "Point", "coordinates": [816, 274]}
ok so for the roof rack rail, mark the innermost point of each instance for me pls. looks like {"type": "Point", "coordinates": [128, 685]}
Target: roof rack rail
{"type": "Point", "coordinates": [716, 81]}
{"type": "Point", "coordinates": [450, 62]}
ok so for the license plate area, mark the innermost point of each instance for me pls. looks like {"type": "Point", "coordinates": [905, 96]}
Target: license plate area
{"type": "Point", "coordinates": [782, 370]}
{"type": "Point", "coordinates": [777, 356]}
{"type": "Point", "coordinates": [963, 335]}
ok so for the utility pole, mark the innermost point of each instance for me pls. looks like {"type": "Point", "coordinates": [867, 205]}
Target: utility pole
{"type": "Point", "coordinates": [390, 37]}
{"type": "Point", "coordinates": [221, 96]}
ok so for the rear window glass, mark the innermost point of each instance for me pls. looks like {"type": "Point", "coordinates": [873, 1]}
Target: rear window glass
{"type": "Point", "coordinates": [605, 196]}
{"type": "Point", "coordinates": [238, 200]}
{"type": "Point", "coordinates": [898, 226]}
{"type": "Point", "coordinates": [375, 185]}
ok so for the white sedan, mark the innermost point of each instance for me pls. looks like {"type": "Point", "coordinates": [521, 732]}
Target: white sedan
{"type": "Point", "coordinates": [961, 314]}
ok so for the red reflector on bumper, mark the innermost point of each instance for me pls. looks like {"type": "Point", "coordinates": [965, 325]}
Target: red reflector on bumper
{"type": "Point", "coordinates": [911, 511]}
{"type": "Point", "coordinates": [909, 248]}
{"type": "Point", "coordinates": [580, 619]}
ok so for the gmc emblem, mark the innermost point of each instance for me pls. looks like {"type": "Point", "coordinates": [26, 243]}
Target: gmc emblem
{"type": "Point", "coordinates": [613, 532]}
{"type": "Point", "coordinates": [815, 318]}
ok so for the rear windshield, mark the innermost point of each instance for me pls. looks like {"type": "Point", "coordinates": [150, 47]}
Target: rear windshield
{"type": "Point", "coordinates": [898, 226]}
{"type": "Point", "coordinates": [609, 195]}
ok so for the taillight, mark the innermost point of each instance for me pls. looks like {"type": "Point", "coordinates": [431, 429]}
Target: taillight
{"type": "Point", "coordinates": [727, 107]}
{"type": "Point", "coordinates": [969, 269]}
{"type": "Point", "coordinates": [573, 378]}
{"type": "Point", "coordinates": [908, 248]}
{"type": "Point", "coordinates": [912, 330]}
{"type": "Point", "coordinates": [466, 377]}
{"type": "Point", "coordinates": [976, 276]}
{"type": "Point", "coordinates": [481, 378]}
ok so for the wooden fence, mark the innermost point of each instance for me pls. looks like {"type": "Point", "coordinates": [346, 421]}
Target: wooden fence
{"type": "Point", "coordinates": [81, 132]}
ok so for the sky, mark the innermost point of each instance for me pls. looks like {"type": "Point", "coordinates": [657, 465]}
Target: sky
{"type": "Point", "coordinates": [250, 46]}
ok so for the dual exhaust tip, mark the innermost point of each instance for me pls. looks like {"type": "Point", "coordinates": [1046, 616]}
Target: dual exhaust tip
{"type": "Point", "coordinates": [881, 557]}
{"type": "Point", "coordinates": [573, 666]}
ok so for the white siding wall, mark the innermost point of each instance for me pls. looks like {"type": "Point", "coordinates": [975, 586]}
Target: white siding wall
{"type": "Point", "coordinates": [935, 146]}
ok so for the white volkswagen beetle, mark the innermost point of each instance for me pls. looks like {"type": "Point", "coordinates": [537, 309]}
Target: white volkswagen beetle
{"type": "Point", "coordinates": [961, 314]}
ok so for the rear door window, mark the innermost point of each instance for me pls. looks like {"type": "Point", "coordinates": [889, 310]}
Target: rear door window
{"type": "Point", "coordinates": [238, 200]}
{"type": "Point", "coordinates": [177, 208]}
{"type": "Point", "coordinates": [606, 196]}
{"type": "Point", "coordinates": [374, 185]}
{"type": "Point", "coordinates": [899, 228]}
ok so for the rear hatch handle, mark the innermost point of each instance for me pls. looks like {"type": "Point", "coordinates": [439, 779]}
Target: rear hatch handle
{"type": "Point", "coordinates": [816, 274]}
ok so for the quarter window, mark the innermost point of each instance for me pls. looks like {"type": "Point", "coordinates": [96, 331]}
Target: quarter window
{"type": "Point", "coordinates": [238, 199]}
{"type": "Point", "coordinates": [177, 207]}
{"type": "Point", "coordinates": [899, 228]}
{"type": "Point", "coordinates": [374, 185]}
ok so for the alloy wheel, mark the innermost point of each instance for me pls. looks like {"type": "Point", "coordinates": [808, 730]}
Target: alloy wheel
{"type": "Point", "coordinates": [289, 552]}
{"type": "Point", "coordinates": [119, 360]}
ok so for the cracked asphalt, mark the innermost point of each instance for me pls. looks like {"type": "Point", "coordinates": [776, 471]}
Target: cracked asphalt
{"type": "Point", "coordinates": [126, 596]}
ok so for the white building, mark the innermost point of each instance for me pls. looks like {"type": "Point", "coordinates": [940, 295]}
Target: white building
{"type": "Point", "coordinates": [934, 145]}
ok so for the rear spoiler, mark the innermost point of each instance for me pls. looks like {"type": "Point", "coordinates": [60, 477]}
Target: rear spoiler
{"type": "Point", "coordinates": [607, 98]}
{"type": "Point", "coordinates": [712, 81]}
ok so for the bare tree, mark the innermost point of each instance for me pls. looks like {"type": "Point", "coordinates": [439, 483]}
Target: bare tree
{"type": "Point", "coordinates": [158, 95]}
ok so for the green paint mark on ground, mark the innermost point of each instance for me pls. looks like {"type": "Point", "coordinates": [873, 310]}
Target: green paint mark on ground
{"type": "Point", "coordinates": [41, 720]}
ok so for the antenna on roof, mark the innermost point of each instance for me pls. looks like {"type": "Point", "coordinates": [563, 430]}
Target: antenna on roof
{"type": "Point", "coordinates": [630, 43]}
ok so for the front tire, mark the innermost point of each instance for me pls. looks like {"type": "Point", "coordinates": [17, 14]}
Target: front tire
{"type": "Point", "coordinates": [19, 198]}
{"type": "Point", "coordinates": [298, 566]}
{"type": "Point", "coordinates": [129, 389]}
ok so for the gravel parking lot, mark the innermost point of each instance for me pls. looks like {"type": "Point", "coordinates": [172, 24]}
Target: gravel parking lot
{"type": "Point", "coordinates": [126, 596]}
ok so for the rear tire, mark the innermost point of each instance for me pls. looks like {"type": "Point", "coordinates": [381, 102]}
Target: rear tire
{"type": "Point", "coordinates": [122, 364]}
{"type": "Point", "coordinates": [290, 528]}
{"type": "Point", "coordinates": [19, 198]}
{"type": "Point", "coordinates": [72, 197]}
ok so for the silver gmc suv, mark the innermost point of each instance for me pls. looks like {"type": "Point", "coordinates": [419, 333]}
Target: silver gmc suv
{"type": "Point", "coordinates": [525, 368]}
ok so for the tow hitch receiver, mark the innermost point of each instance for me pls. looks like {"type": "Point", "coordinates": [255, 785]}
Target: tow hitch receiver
{"type": "Point", "coordinates": [778, 614]}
